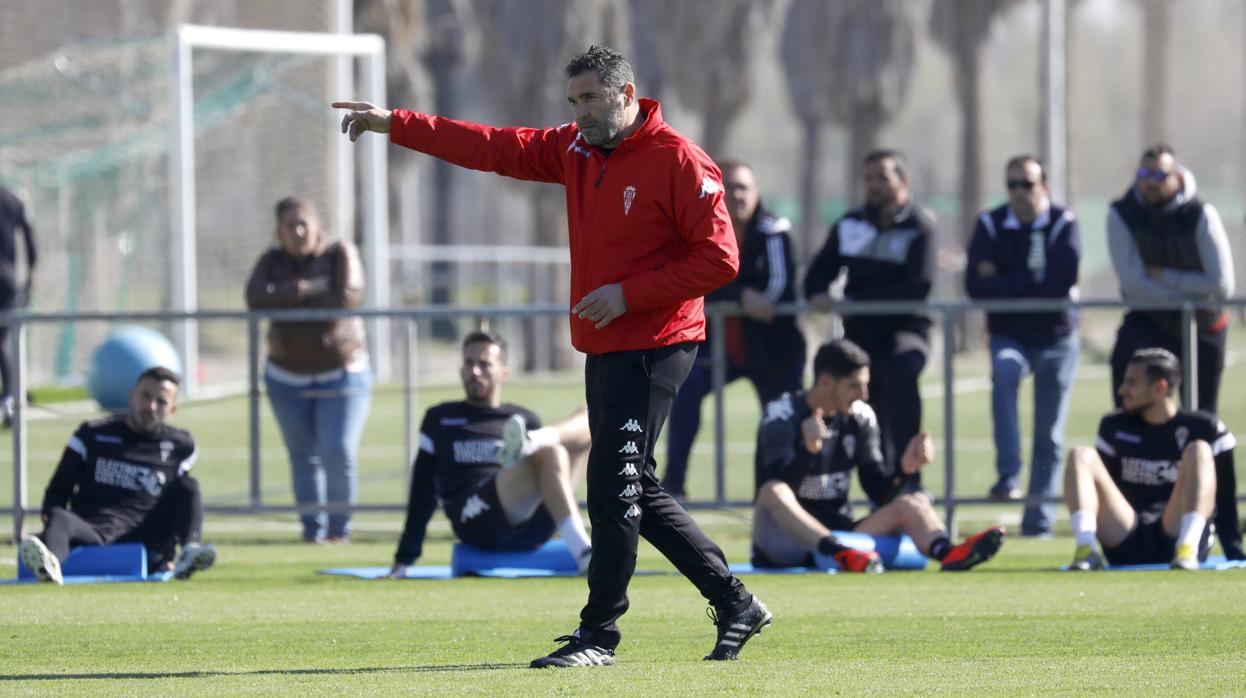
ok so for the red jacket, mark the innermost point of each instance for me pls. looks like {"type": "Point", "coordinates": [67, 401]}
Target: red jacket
{"type": "Point", "coordinates": [651, 216]}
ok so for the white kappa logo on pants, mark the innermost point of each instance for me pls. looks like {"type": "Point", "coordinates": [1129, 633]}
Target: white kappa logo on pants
{"type": "Point", "coordinates": [630, 491]}
{"type": "Point", "coordinates": [632, 512]}
{"type": "Point", "coordinates": [629, 448]}
{"type": "Point", "coordinates": [631, 425]}
{"type": "Point", "coordinates": [629, 470]}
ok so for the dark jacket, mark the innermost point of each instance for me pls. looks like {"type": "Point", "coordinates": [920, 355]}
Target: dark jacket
{"type": "Point", "coordinates": [893, 264]}
{"type": "Point", "coordinates": [1021, 271]}
{"type": "Point", "coordinates": [1186, 240]}
{"type": "Point", "coordinates": [319, 346]}
{"type": "Point", "coordinates": [766, 266]}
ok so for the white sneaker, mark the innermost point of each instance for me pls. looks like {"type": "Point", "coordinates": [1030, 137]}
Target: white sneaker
{"type": "Point", "coordinates": [194, 558]}
{"type": "Point", "coordinates": [515, 441]}
{"type": "Point", "coordinates": [1186, 558]}
{"type": "Point", "coordinates": [41, 562]}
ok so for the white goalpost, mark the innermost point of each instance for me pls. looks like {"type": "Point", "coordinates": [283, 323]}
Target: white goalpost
{"type": "Point", "coordinates": [369, 49]}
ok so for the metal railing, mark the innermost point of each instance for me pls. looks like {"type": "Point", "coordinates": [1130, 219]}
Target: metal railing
{"type": "Point", "coordinates": [947, 312]}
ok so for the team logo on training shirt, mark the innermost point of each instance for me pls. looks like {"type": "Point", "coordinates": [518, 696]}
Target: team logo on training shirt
{"type": "Point", "coordinates": [472, 508]}
{"type": "Point", "coordinates": [629, 448]}
{"type": "Point", "coordinates": [166, 449]}
{"type": "Point", "coordinates": [631, 425]}
{"type": "Point", "coordinates": [1182, 434]}
{"type": "Point", "coordinates": [629, 195]}
{"type": "Point", "coordinates": [850, 444]}
{"type": "Point", "coordinates": [709, 187]}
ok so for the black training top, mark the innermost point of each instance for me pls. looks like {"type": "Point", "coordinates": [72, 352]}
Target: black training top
{"type": "Point", "coordinates": [821, 481]}
{"type": "Point", "coordinates": [459, 446]}
{"type": "Point", "coordinates": [1143, 460]}
{"type": "Point", "coordinates": [112, 476]}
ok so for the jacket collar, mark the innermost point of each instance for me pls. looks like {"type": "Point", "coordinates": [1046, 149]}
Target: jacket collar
{"type": "Point", "coordinates": [1011, 222]}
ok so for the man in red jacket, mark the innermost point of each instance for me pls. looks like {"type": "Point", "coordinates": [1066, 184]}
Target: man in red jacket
{"type": "Point", "coordinates": [650, 236]}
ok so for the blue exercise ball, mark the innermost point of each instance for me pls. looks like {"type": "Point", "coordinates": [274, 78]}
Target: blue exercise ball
{"type": "Point", "coordinates": [118, 362]}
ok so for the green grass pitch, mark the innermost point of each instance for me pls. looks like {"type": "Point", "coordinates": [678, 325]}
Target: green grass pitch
{"type": "Point", "coordinates": [262, 622]}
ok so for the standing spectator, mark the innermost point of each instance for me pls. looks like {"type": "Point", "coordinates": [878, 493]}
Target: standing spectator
{"type": "Point", "coordinates": [1167, 244]}
{"type": "Point", "coordinates": [317, 375]}
{"type": "Point", "coordinates": [1028, 248]}
{"type": "Point", "coordinates": [12, 218]}
{"type": "Point", "coordinates": [769, 349]}
{"type": "Point", "coordinates": [650, 236]}
{"type": "Point", "coordinates": [885, 247]}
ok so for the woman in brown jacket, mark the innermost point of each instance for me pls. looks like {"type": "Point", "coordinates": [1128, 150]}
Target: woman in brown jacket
{"type": "Point", "coordinates": [317, 375]}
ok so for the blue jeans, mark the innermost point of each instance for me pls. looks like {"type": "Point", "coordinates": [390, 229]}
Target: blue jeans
{"type": "Point", "coordinates": [1053, 367]}
{"type": "Point", "coordinates": [321, 424]}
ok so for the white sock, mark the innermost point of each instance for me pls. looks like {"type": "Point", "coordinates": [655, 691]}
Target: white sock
{"type": "Point", "coordinates": [545, 436]}
{"type": "Point", "coordinates": [574, 535]}
{"type": "Point", "coordinates": [1084, 528]}
{"type": "Point", "coordinates": [1192, 525]}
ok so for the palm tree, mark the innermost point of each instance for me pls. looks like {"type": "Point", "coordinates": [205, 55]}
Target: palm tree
{"type": "Point", "coordinates": [706, 51]}
{"type": "Point", "coordinates": [962, 27]}
{"type": "Point", "coordinates": [850, 63]}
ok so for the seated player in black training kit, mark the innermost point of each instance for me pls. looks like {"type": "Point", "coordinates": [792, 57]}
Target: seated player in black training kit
{"type": "Point", "coordinates": [1147, 490]}
{"type": "Point", "coordinates": [808, 445]}
{"type": "Point", "coordinates": [505, 484]}
{"type": "Point", "coordinates": [126, 479]}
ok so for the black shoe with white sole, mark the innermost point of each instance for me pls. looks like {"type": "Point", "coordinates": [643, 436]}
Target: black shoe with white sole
{"type": "Point", "coordinates": [734, 631]}
{"type": "Point", "coordinates": [576, 652]}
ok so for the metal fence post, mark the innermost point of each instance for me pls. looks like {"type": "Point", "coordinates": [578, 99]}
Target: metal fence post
{"type": "Point", "coordinates": [253, 376]}
{"type": "Point", "coordinates": [410, 336]}
{"type": "Point", "coordinates": [1189, 362]}
{"type": "Point", "coordinates": [949, 423]}
{"type": "Point", "coordinates": [17, 337]}
{"type": "Point", "coordinates": [718, 374]}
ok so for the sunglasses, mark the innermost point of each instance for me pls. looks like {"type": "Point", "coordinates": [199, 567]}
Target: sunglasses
{"type": "Point", "coordinates": [1021, 184]}
{"type": "Point", "coordinates": [1155, 175]}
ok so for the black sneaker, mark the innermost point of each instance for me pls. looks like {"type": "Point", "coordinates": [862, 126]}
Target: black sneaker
{"type": "Point", "coordinates": [734, 631]}
{"type": "Point", "coordinates": [576, 652]}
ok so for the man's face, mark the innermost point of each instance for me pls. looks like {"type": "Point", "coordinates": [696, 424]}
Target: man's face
{"type": "Point", "coordinates": [151, 402]}
{"type": "Point", "coordinates": [1158, 179]}
{"type": "Point", "coordinates": [850, 388]}
{"type": "Point", "coordinates": [883, 184]}
{"type": "Point", "coordinates": [1027, 193]}
{"type": "Point", "coordinates": [1137, 391]}
{"type": "Point", "coordinates": [598, 111]}
{"type": "Point", "coordinates": [483, 372]}
{"type": "Point", "coordinates": [741, 191]}
{"type": "Point", "coordinates": [298, 231]}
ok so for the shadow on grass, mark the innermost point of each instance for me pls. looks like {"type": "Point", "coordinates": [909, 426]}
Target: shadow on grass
{"type": "Point", "coordinates": [124, 675]}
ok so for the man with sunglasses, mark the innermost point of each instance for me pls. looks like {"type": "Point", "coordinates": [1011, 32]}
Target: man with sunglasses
{"type": "Point", "coordinates": [1028, 248]}
{"type": "Point", "coordinates": [1167, 244]}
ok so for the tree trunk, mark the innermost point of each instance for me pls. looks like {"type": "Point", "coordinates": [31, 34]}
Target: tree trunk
{"type": "Point", "coordinates": [970, 83]}
{"type": "Point", "coordinates": [1156, 45]}
{"type": "Point", "coordinates": [714, 131]}
{"type": "Point", "coordinates": [445, 101]}
{"type": "Point", "coordinates": [810, 170]}
{"type": "Point", "coordinates": [867, 122]}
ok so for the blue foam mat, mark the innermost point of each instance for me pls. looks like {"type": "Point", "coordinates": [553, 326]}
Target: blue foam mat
{"type": "Point", "coordinates": [1215, 562]}
{"type": "Point", "coordinates": [99, 564]}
